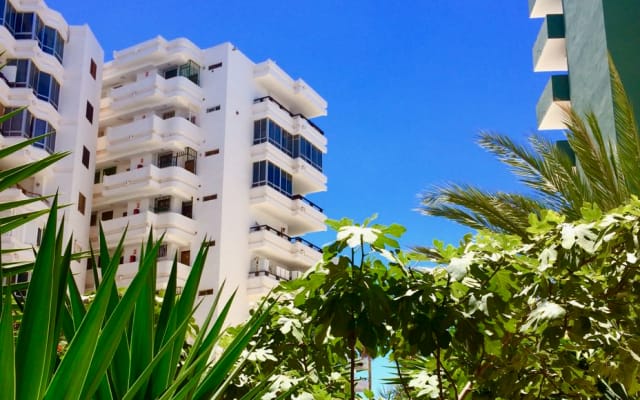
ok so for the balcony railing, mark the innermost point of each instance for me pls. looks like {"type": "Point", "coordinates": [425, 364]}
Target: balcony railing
{"type": "Point", "coordinates": [258, 228]}
{"type": "Point", "coordinates": [292, 197]}
{"type": "Point", "coordinates": [292, 115]}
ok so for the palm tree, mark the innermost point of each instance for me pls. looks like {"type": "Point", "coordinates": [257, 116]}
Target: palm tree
{"type": "Point", "coordinates": [597, 170]}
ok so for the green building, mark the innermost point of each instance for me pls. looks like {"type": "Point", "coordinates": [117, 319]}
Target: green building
{"type": "Point", "coordinates": [574, 42]}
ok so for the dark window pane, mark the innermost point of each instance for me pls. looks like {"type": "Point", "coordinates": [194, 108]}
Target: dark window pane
{"type": "Point", "coordinates": [89, 112]}
{"type": "Point", "coordinates": [85, 156]}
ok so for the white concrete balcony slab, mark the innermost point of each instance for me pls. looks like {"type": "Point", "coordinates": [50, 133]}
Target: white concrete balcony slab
{"type": "Point", "coordinates": [541, 8]}
{"type": "Point", "coordinates": [550, 51]}
{"type": "Point", "coordinates": [309, 131]}
{"type": "Point", "coordinates": [306, 178]}
{"type": "Point", "coordinates": [296, 95]}
{"type": "Point", "coordinates": [148, 135]}
{"type": "Point", "coordinates": [298, 213]}
{"type": "Point", "coordinates": [149, 92]}
{"type": "Point", "coordinates": [26, 155]}
{"type": "Point", "coordinates": [22, 252]}
{"type": "Point", "coordinates": [29, 49]}
{"type": "Point", "coordinates": [146, 182]}
{"type": "Point", "coordinates": [152, 52]}
{"type": "Point", "coordinates": [554, 103]}
{"type": "Point", "coordinates": [265, 107]}
{"type": "Point", "coordinates": [24, 97]}
{"type": "Point", "coordinates": [127, 271]}
{"type": "Point", "coordinates": [288, 252]}
{"type": "Point", "coordinates": [17, 194]}
{"type": "Point", "coordinates": [177, 228]}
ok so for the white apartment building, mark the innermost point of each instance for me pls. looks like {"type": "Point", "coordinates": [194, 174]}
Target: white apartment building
{"type": "Point", "coordinates": [205, 144]}
{"type": "Point", "coordinates": [55, 71]}
{"type": "Point", "coordinates": [198, 144]}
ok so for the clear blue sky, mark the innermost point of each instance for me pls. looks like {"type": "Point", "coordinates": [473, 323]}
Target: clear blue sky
{"type": "Point", "coordinates": [409, 85]}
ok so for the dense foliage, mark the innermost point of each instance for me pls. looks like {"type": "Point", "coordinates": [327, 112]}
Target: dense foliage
{"type": "Point", "coordinates": [498, 317]}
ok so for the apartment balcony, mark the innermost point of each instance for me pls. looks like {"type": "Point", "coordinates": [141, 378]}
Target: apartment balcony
{"type": "Point", "coordinates": [296, 253]}
{"type": "Point", "coordinates": [148, 135]}
{"type": "Point", "coordinates": [306, 178]}
{"type": "Point", "coordinates": [24, 97]}
{"type": "Point", "coordinates": [265, 276]}
{"type": "Point", "coordinates": [297, 94]}
{"type": "Point", "coordinates": [21, 194]}
{"type": "Point", "coordinates": [147, 181]}
{"type": "Point", "coordinates": [297, 212]}
{"type": "Point", "coordinates": [149, 92]}
{"type": "Point", "coordinates": [550, 51]}
{"type": "Point", "coordinates": [35, 152]}
{"type": "Point", "coordinates": [156, 51]}
{"type": "Point", "coordinates": [22, 252]}
{"type": "Point", "coordinates": [306, 128]}
{"type": "Point", "coordinates": [127, 271]}
{"type": "Point", "coordinates": [553, 104]}
{"type": "Point", "coordinates": [296, 124]}
{"type": "Point", "coordinates": [541, 8]}
{"type": "Point", "coordinates": [29, 49]}
{"type": "Point", "coordinates": [177, 228]}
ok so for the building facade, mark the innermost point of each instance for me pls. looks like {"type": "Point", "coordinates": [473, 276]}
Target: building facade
{"type": "Point", "coordinates": [575, 41]}
{"type": "Point", "coordinates": [52, 71]}
{"type": "Point", "coordinates": [201, 145]}
{"type": "Point", "coordinates": [206, 145]}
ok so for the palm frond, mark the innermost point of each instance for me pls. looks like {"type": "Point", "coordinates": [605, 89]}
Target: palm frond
{"type": "Point", "coordinates": [478, 209]}
{"type": "Point", "coordinates": [627, 147]}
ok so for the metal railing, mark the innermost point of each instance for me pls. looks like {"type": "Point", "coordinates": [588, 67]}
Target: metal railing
{"type": "Point", "coordinates": [290, 239]}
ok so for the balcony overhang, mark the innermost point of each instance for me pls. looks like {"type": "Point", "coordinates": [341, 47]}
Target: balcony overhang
{"type": "Point", "coordinates": [553, 104]}
{"type": "Point", "coordinates": [298, 215]}
{"type": "Point", "coordinates": [298, 96]}
{"type": "Point", "coordinates": [540, 8]}
{"type": "Point", "coordinates": [280, 248]}
{"type": "Point", "coordinates": [550, 51]}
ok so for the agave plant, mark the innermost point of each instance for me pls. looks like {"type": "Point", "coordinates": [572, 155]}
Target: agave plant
{"type": "Point", "coordinates": [117, 347]}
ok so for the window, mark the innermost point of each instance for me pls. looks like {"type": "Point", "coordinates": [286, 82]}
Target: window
{"type": "Point", "coordinates": [214, 66]}
{"type": "Point", "coordinates": [94, 219]}
{"type": "Point", "coordinates": [212, 152]}
{"type": "Point", "coordinates": [26, 74]}
{"type": "Point", "coordinates": [210, 197]}
{"type": "Point", "coordinates": [81, 202]}
{"type": "Point", "coordinates": [39, 237]}
{"type": "Point", "coordinates": [267, 173]}
{"type": "Point", "coordinates": [93, 69]}
{"type": "Point", "coordinates": [109, 171]}
{"type": "Point", "coordinates": [89, 112]}
{"type": "Point", "coordinates": [168, 114]}
{"type": "Point", "coordinates": [25, 125]}
{"type": "Point", "coordinates": [162, 204]}
{"type": "Point", "coordinates": [106, 215]}
{"type": "Point", "coordinates": [205, 292]}
{"type": "Point", "coordinates": [295, 146]}
{"type": "Point", "coordinates": [162, 251]}
{"type": "Point", "coordinates": [85, 156]}
{"type": "Point", "coordinates": [50, 40]}
{"type": "Point", "coordinates": [23, 27]}
{"type": "Point", "coordinates": [190, 70]}
{"type": "Point", "coordinates": [215, 108]}
{"type": "Point", "coordinates": [166, 160]}
{"type": "Point", "coordinates": [187, 209]}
